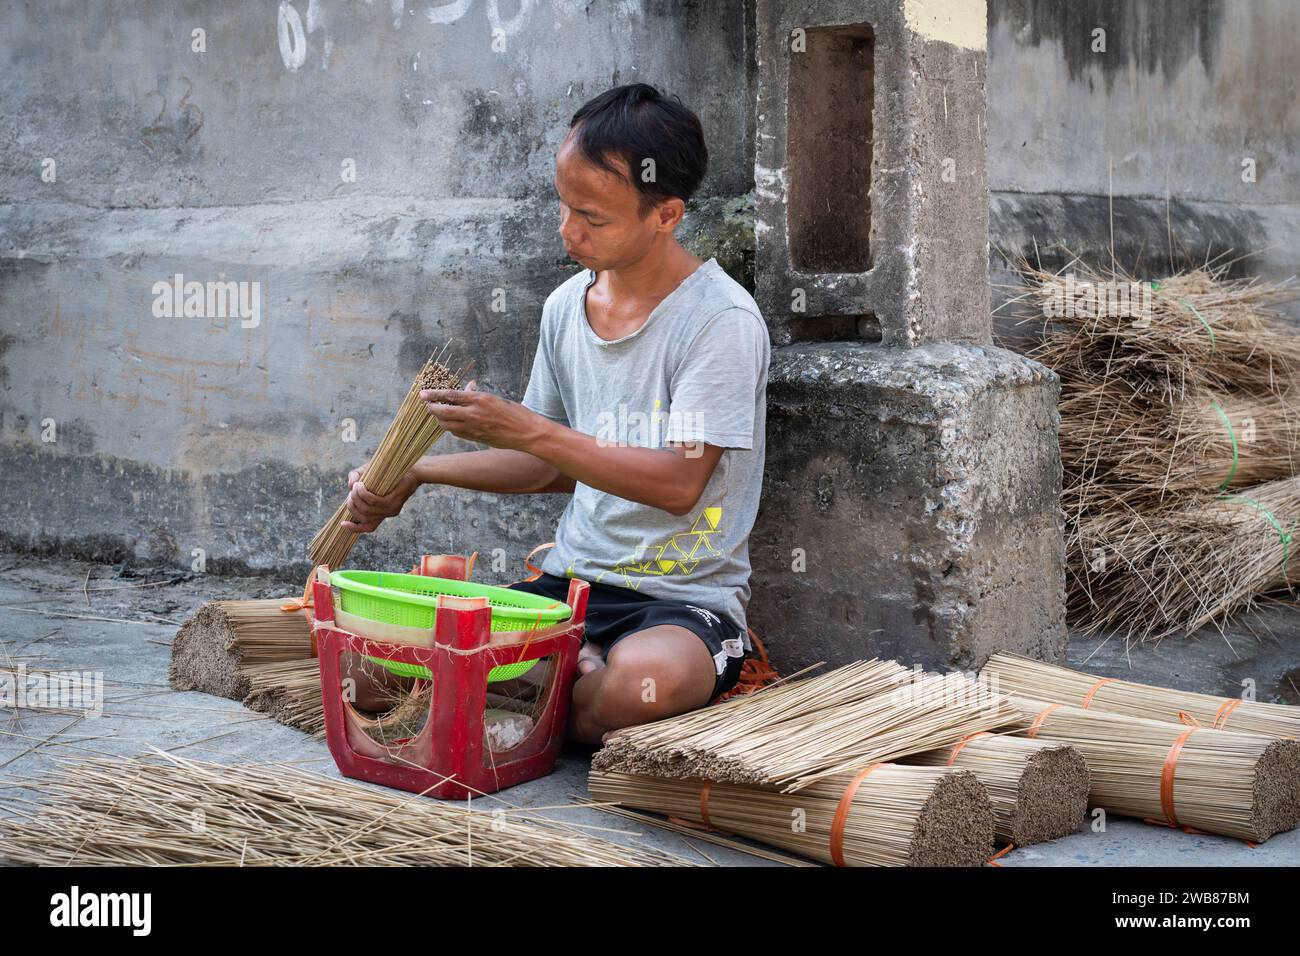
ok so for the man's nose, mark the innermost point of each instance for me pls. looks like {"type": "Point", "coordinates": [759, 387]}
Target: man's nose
{"type": "Point", "coordinates": [568, 232]}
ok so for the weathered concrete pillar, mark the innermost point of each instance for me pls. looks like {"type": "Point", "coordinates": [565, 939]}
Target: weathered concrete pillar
{"type": "Point", "coordinates": [911, 507]}
{"type": "Point", "coordinates": [871, 197]}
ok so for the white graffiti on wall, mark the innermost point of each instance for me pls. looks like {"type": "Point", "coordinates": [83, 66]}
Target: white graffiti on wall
{"type": "Point", "coordinates": [293, 36]}
{"type": "Point", "coordinates": [292, 30]}
{"type": "Point", "coordinates": [451, 12]}
{"type": "Point", "coordinates": [293, 42]}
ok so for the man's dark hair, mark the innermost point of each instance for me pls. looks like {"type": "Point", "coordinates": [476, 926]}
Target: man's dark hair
{"type": "Point", "coordinates": [634, 122]}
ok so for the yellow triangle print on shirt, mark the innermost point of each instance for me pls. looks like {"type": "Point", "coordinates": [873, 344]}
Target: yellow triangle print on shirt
{"type": "Point", "coordinates": [711, 515]}
{"type": "Point", "coordinates": [680, 554]}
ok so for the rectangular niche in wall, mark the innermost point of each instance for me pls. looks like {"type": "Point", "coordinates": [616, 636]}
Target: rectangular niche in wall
{"type": "Point", "coordinates": [829, 144]}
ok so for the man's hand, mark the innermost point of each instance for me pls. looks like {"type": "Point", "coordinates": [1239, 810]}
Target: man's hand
{"type": "Point", "coordinates": [371, 509]}
{"type": "Point", "coordinates": [483, 417]}
{"type": "Point", "coordinates": [671, 478]}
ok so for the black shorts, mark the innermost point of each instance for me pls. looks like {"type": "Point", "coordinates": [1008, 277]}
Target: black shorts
{"type": "Point", "coordinates": [615, 612]}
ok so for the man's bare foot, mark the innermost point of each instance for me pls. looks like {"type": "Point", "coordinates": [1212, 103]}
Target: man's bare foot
{"type": "Point", "coordinates": [589, 658]}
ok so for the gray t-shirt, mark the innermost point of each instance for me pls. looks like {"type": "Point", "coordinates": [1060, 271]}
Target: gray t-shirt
{"type": "Point", "coordinates": [696, 371]}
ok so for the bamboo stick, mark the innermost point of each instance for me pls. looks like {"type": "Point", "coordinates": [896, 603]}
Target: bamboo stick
{"type": "Point", "coordinates": [408, 436]}
{"type": "Point", "coordinates": [892, 816]}
{"type": "Point", "coordinates": [1217, 781]}
{"type": "Point", "coordinates": [166, 810]}
{"type": "Point", "coordinates": [1039, 788]}
{"type": "Point", "coordinates": [796, 734]}
{"type": "Point", "coordinates": [1013, 674]}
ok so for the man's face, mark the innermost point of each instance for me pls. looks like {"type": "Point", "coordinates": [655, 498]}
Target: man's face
{"type": "Point", "coordinates": [599, 219]}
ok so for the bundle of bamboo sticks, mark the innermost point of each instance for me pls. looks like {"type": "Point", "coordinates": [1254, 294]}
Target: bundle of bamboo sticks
{"type": "Point", "coordinates": [288, 692]}
{"type": "Point", "coordinates": [1162, 411]}
{"type": "Point", "coordinates": [810, 733]}
{"type": "Point", "coordinates": [1155, 455]}
{"type": "Point", "coordinates": [1152, 575]}
{"type": "Point", "coordinates": [1021, 676]}
{"type": "Point", "coordinates": [1039, 788]}
{"type": "Point", "coordinates": [164, 810]}
{"type": "Point", "coordinates": [661, 747]}
{"type": "Point", "coordinates": [213, 649]}
{"type": "Point", "coordinates": [1202, 328]}
{"type": "Point", "coordinates": [408, 437]}
{"type": "Point", "coordinates": [264, 633]}
{"type": "Point", "coordinates": [255, 652]}
{"type": "Point", "coordinates": [1218, 781]}
{"type": "Point", "coordinates": [882, 815]}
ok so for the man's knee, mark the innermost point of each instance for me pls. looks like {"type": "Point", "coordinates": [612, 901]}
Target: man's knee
{"type": "Point", "coordinates": [647, 682]}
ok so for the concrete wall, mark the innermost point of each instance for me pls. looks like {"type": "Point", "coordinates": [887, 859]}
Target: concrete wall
{"type": "Point", "coordinates": [183, 433]}
{"type": "Point", "coordinates": [175, 433]}
{"type": "Point", "coordinates": [1162, 120]}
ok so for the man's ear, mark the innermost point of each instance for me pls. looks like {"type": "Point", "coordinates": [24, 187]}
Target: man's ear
{"type": "Point", "coordinates": [670, 213]}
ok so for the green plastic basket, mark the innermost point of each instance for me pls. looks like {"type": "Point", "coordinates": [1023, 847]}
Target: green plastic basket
{"type": "Point", "coordinates": [496, 674]}
{"type": "Point", "coordinates": [411, 601]}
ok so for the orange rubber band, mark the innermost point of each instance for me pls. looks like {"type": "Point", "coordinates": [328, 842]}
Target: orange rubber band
{"type": "Point", "coordinates": [704, 803]}
{"type": "Point", "coordinates": [1167, 777]}
{"type": "Point", "coordinates": [755, 674]}
{"type": "Point", "coordinates": [1006, 849]}
{"type": "Point", "coordinates": [842, 815]}
{"type": "Point", "coordinates": [528, 560]}
{"type": "Point", "coordinates": [1038, 721]}
{"type": "Point", "coordinates": [1185, 718]}
{"type": "Point", "coordinates": [537, 623]}
{"type": "Point", "coordinates": [1095, 687]}
{"type": "Point", "coordinates": [963, 742]}
{"type": "Point", "coordinates": [1226, 708]}
{"type": "Point", "coordinates": [690, 824]}
{"type": "Point", "coordinates": [1186, 829]}
{"type": "Point", "coordinates": [297, 604]}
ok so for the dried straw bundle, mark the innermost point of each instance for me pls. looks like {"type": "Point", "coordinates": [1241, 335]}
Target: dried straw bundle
{"type": "Point", "coordinates": [1150, 575]}
{"type": "Point", "coordinates": [811, 732]}
{"type": "Point", "coordinates": [214, 649]}
{"type": "Point", "coordinates": [175, 812]}
{"type": "Point", "coordinates": [892, 816]}
{"type": "Point", "coordinates": [1219, 781]}
{"type": "Point", "coordinates": [1202, 329]}
{"type": "Point", "coordinates": [1159, 409]}
{"type": "Point", "coordinates": [1118, 446]}
{"type": "Point", "coordinates": [1013, 674]}
{"type": "Point", "coordinates": [408, 437]}
{"type": "Point", "coordinates": [1039, 789]}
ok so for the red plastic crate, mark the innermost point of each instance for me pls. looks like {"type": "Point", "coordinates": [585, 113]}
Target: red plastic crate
{"type": "Point", "coordinates": [448, 758]}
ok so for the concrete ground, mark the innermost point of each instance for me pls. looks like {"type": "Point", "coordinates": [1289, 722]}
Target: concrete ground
{"type": "Point", "coordinates": [52, 615]}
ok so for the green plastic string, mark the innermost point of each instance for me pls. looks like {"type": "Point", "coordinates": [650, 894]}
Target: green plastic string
{"type": "Point", "coordinates": [1284, 537]}
{"type": "Point", "coordinates": [1184, 302]}
{"type": "Point", "coordinates": [1232, 435]}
